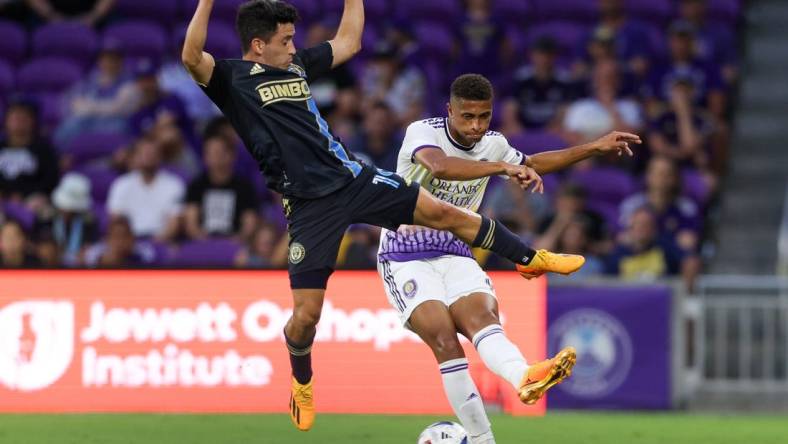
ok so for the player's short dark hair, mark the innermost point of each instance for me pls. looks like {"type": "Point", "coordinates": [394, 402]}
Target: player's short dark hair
{"type": "Point", "coordinates": [259, 19]}
{"type": "Point", "coordinates": [472, 87]}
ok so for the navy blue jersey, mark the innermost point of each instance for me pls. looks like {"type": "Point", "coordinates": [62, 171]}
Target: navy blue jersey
{"type": "Point", "coordinates": [274, 113]}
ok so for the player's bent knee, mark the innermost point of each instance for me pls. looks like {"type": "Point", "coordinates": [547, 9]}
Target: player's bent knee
{"type": "Point", "coordinates": [305, 317]}
{"type": "Point", "coordinates": [446, 346]}
{"type": "Point", "coordinates": [444, 216]}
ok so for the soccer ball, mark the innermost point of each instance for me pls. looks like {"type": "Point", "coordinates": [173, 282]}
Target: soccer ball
{"type": "Point", "coordinates": [444, 432]}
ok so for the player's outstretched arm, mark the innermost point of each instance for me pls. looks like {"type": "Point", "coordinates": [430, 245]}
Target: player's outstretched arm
{"type": "Point", "coordinates": [454, 168]}
{"type": "Point", "coordinates": [199, 63]}
{"type": "Point", "coordinates": [551, 161]}
{"type": "Point", "coordinates": [347, 42]}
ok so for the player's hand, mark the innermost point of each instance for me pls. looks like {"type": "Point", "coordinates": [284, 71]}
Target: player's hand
{"type": "Point", "coordinates": [526, 177]}
{"type": "Point", "coordinates": [617, 142]}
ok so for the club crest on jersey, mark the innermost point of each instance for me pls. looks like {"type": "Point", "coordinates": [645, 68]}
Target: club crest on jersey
{"type": "Point", "coordinates": [293, 90]}
{"type": "Point", "coordinates": [410, 288]}
{"type": "Point", "coordinates": [297, 70]}
{"type": "Point", "coordinates": [297, 253]}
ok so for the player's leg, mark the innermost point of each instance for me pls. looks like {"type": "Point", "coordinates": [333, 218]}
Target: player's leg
{"type": "Point", "coordinates": [315, 228]}
{"type": "Point", "coordinates": [417, 291]}
{"type": "Point", "coordinates": [384, 199]}
{"type": "Point", "coordinates": [299, 335]}
{"type": "Point", "coordinates": [434, 325]}
{"type": "Point", "coordinates": [479, 231]}
{"type": "Point", "coordinates": [476, 317]}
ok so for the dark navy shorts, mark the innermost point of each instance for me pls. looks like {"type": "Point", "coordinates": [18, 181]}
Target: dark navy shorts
{"type": "Point", "coordinates": [316, 227]}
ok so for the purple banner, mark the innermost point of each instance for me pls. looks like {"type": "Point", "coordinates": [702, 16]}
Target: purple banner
{"type": "Point", "coordinates": [622, 337]}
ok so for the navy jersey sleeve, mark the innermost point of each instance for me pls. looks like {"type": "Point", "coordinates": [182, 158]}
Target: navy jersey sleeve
{"type": "Point", "coordinates": [316, 60]}
{"type": "Point", "coordinates": [218, 88]}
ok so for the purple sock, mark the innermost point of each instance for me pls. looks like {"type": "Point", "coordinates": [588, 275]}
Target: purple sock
{"type": "Point", "coordinates": [300, 360]}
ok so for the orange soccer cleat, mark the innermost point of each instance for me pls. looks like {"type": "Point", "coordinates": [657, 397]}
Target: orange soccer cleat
{"type": "Point", "coordinates": [548, 262]}
{"type": "Point", "coordinates": [302, 405]}
{"type": "Point", "coordinates": [545, 374]}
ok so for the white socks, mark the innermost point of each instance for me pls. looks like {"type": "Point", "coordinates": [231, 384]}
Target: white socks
{"type": "Point", "coordinates": [465, 400]}
{"type": "Point", "coordinates": [499, 354]}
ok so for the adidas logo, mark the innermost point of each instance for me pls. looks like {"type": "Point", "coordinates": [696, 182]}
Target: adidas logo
{"type": "Point", "coordinates": [256, 69]}
{"type": "Point", "coordinates": [473, 395]}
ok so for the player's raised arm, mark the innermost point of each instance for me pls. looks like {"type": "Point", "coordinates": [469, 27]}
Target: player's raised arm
{"type": "Point", "coordinates": [454, 168]}
{"type": "Point", "coordinates": [199, 63]}
{"type": "Point", "coordinates": [347, 42]}
{"type": "Point", "coordinates": [551, 161]}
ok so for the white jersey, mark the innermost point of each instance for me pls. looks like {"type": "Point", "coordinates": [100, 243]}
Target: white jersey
{"type": "Point", "coordinates": [412, 243]}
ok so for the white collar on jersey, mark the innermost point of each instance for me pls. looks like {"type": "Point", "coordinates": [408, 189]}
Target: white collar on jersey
{"type": "Point", "coordinates": [458, 145]}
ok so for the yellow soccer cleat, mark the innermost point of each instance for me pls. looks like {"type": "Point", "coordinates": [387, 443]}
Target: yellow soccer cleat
{"type": "Point", "coordinates": [302, 405]}
{"type": "Point", "coordinates": [546, 261]}
{"type": "Point", "coordinates": [545, 374]}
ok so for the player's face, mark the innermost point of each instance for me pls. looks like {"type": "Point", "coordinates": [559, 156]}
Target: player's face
{"type": "Point", "coordinates": [470, 119]}
{"type": "Point", "coordinates": [279, 50]}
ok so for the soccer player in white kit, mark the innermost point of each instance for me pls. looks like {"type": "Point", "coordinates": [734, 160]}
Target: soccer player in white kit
{"type": "Point", "coordinates": [431, 277]}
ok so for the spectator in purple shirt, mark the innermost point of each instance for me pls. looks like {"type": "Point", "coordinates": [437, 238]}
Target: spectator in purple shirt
{"type": "Point", "coordinates": [678, 217]}
{"type": "Point", "coordinates": [708, 86]}
{"type": "Point", "coordinates": [541, 92]}
{"type": "Point", "coordinates": [714, 42]}
{"type": "Point", "coordinates": [483, 45]}
{"type": "Point", "coordinates": [101, 102]}
{"type": "Point", "coordinates": [163, 116]}
{"type": "Point", "coordinates": [630, 40]}
{"type": "Point", "coordinates": [378, 141]}
{"type": "Point", "coordinates": [683, 132]}
{"type": "Point", "coordinates": [119, 249]}
{"type": "Point", "coordinates": [157, 108]}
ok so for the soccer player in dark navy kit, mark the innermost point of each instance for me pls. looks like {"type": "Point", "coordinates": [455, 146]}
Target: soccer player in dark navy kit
{"type": "Point", "coordinates": [266, 96]}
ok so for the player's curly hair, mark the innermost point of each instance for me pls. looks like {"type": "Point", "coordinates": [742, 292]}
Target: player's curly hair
{"type": "Point", "coordinates": [259, 19]}
{"type": "Point", "coordinates": [472, 87]}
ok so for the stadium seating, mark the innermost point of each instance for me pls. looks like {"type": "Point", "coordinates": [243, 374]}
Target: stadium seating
{"type": "Point", "coordinates": [88, 147]}
{"type": "Point", "coordinates": [13, 42]}
{"type": "Point", "coordinates": [71, 40]}
{"type": "Point", "coordinates": [101, 179]}
{"type": "Point", "coordinates": [581, 10]}
{"type": "Point", "coordinates": [20, 213]}
{"type": "Point", "coordinates": [533, 142]}
{"type": "Point", "coordinates": [654, 11]}
{"type": "Point", "coordinates": [445, 11]}
{"type": "Point", "coordinates": [48, 75]}
{"type": "Point", "coordinates": [513, 12]}
{"type": "Point", "coordinates": [138, 39]}
{"type": "Point", "coordinates": [222, 40]}
{"type": "Point", "coordinates": [6, 78]}
{"type": "Point", "coordinates": [208, 253]}
{"type": "Point", "coordinates": [163, 12]}
{"type": "Point", "coordinates": [604, 184]}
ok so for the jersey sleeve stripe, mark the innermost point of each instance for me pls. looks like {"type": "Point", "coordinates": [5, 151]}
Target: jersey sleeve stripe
{"type": "Point", "coordinates": [413, 156]}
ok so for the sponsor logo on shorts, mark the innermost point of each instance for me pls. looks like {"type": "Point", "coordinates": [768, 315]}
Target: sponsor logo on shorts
{"type": "Point", "coordinates": [410, 289]}
{"type": "Point", "coordinates": [297, 253]}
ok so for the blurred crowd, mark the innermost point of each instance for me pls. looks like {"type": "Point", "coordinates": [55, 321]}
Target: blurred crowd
{"type": "Point", "coordinates": [111, 156]}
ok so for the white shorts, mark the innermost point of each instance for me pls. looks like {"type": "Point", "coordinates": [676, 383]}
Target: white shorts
{"type": "Point", "coordinates": [445, 279]}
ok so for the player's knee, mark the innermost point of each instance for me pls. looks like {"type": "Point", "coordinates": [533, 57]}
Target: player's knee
{"type": "Point", "coordinates": [446, 346]}
{"type": "Point", "coordinates": [306, 317]}
{"type": "Point", "coordinates": [444, 216]}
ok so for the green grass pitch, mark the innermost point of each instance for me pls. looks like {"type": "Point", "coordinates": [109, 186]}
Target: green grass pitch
{"type": "Point", "coordinates": [555, 428]}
